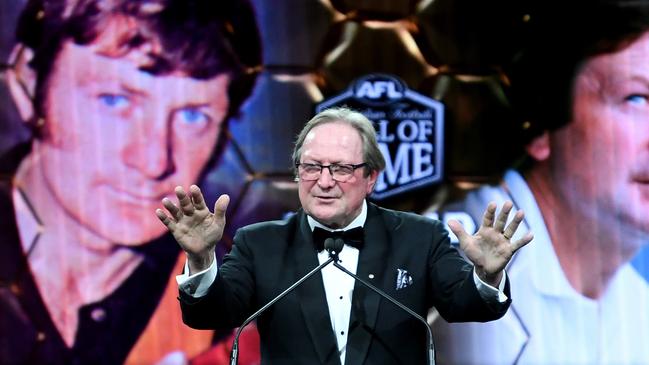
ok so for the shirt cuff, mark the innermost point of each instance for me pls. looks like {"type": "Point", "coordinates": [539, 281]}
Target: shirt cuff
{"type": "Point", "coordinates": [488, 292]}
{"type": "Point", "coordinates": [198, 284]}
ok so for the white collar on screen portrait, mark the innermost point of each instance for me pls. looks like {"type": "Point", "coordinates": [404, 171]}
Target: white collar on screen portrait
{"type": "Point", "coordinates": [26, 219]}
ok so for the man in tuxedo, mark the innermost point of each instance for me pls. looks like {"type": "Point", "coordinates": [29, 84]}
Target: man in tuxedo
{"type": "Point", "coordinates": [330, 319]}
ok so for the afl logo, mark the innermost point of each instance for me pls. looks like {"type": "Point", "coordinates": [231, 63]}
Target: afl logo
{"type": "Point", "coordinates": [378, 89]}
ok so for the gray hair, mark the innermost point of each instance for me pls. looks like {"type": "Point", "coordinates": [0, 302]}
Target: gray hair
{"type": "Point", "coordinates": [372, 156]}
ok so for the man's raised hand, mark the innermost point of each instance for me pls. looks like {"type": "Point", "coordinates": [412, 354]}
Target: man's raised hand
{"type": "Point", "coordinates": [195, 228]}
{"type": "Point", "coordinates": [491, 248]}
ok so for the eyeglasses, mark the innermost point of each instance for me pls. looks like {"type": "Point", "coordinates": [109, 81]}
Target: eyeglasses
{"type": "Point", "coordinates": [339, 172]}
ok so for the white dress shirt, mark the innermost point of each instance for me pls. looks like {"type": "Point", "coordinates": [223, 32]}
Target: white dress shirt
{"type": "Point", "coordinates": [339, 286]}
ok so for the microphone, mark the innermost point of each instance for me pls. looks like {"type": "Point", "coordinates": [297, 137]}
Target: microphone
{"type": "Point", "coordinates": [333, 247]}
{"type": "Point", "coordinates": [430, 352]}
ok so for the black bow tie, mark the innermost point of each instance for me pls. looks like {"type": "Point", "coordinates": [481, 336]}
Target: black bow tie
{"type": "Point", "coordinates": [353, 237]}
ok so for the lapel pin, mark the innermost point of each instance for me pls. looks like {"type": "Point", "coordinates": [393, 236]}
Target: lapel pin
{"type": "Point", "coordinates": [371, 276]}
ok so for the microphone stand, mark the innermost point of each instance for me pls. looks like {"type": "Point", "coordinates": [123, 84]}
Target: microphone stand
{"type": "Point", "coordinates": [332, 247]}
{"type": "Point", "coordinates": [431, 347]}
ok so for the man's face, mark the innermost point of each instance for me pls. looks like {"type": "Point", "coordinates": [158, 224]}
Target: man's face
{"type": "Point", "coordinates": [330, 202]}
{"type": "Point", "coordinates": [118, 140]}
{"type": "Point", "coordinates": [601, 158]}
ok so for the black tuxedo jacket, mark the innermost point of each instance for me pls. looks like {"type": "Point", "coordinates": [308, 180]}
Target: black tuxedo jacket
{"type": "Point", "coordinates": [268, 257]}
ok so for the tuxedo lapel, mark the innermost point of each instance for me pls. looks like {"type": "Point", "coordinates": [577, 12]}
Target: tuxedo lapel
{"type": "Point", "coordinates": [313, 301]}
{"type": "Point", "coordinates": [365, 302]}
